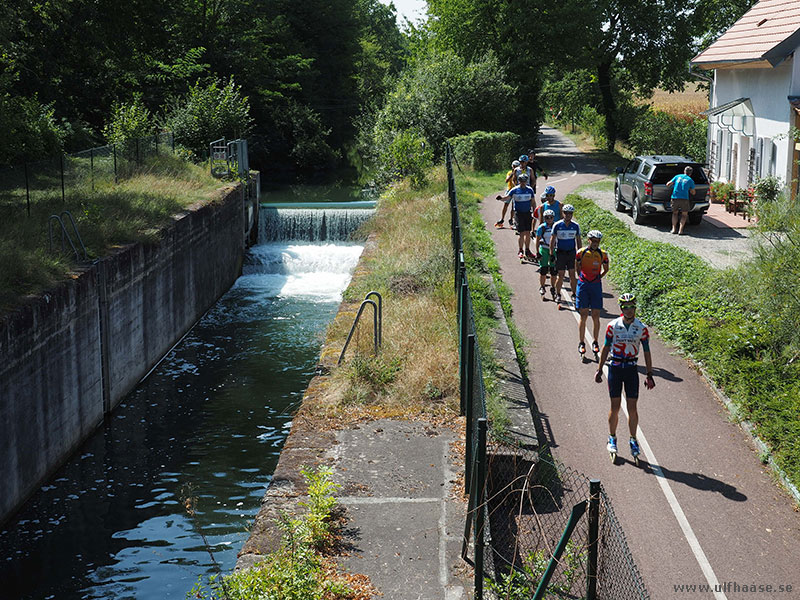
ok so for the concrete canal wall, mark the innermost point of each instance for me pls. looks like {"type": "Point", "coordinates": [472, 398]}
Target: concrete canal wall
{"type": "Point", "coordinates": [68, 357]}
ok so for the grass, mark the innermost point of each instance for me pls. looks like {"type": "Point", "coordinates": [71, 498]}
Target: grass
{"type": "Point", "coordinates": [691, 101]}
{"type": "Point", "coordinates": [111, 215]}
{"type": "Point", "coordinates": [409, 262]}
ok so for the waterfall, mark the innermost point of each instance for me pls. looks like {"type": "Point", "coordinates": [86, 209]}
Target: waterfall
{"type": "Point", "coordinates": [309, 224]}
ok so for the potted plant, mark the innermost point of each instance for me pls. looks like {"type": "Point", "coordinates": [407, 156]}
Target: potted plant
{"type": "Point", "coordinates": [721, 192]}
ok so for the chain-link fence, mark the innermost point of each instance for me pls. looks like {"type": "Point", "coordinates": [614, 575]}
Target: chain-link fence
{"type": "Point", "coordinates": [79, 172]}
{"type": "Point", "coordinates": [536, 528]}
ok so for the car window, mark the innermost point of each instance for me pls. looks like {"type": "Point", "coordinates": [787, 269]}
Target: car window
{"type": "Point", "coordinates": [664, 173]}
{"type": "Point", "coordinates": [635, 168]}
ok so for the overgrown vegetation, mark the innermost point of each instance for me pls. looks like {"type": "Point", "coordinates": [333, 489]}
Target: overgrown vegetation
{"type": "Point", "coordinates": [302, 569]}
{"type": "Point", "coordinates": [740, 324]}
{"type": "Point", "coordinates": [416, 372]}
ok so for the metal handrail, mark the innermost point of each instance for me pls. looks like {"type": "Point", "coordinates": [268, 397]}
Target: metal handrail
{"type": "Point", "coordinates": [64, 235]}
{"type": "Point", "coordinates": [77, 234]}
{"type": "Point", "coordinates": [355, 322]}
{"type": "Point", "coordinates": [380, 315]}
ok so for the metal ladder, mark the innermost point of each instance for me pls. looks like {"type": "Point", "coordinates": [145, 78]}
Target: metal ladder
{"type": "Point", "coordinates": [65, 236]}
{"type": "Point", "coordinates": [377, 323]}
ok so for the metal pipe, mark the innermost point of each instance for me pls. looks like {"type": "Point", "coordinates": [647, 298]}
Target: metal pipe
{"type": "Point", "coordinates": [574, 517]}
{"type": "Point", "coordinates": [380, 315]}
{"type": "Point", "coordinates": [353, 328]}
{"type": "Point", "coordinates": [594, 528]}
{"type": "Point", "coordinates": [480, 507]}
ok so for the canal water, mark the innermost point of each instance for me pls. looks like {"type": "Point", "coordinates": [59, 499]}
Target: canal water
{"type": "Point", "coordinates": [208, 423]}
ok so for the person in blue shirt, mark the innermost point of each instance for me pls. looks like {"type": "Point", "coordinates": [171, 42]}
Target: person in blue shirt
{"type": "Point", "coordinates": [522, 197]}
{"type": "Point", "coordinates": [565, 241]}
{"type": "Point", "coordinates": [682, 186]}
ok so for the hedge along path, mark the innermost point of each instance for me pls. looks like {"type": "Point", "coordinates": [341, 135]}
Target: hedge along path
{"type": "Point", "coordinates": [703, 312]}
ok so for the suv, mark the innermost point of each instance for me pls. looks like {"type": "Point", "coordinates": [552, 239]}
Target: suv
{"type": "Point", "coordinates": [642, 187]}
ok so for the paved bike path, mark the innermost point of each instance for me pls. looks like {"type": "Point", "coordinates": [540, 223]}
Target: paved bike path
{"type": "Point", "coordinates": [707, 511]}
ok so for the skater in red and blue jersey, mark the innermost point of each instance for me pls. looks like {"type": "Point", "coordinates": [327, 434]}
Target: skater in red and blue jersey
{"type": "Point", "coordinates": [564, 243]}
{"type": "Point", "coordinates": [623, 337]}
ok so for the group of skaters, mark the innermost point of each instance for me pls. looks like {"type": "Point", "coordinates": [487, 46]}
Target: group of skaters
{"type": "Point", "coordinates": [558, 249]}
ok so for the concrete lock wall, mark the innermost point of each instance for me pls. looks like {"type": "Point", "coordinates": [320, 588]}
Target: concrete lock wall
{"type": "Point", "coordinates": [71, 355]}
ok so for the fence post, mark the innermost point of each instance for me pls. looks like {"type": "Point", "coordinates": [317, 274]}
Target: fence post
{"type": "Point", "coordinates": [63, 193]}
{"type": "Point", "coordinates": [462, 338]}
{"type": "Point", "coordinates": [91, 167]}
{"type": "Point", "coordinates": [114, 151]}
{"type": "Point", "coordinates": [480, 507]}
{"type": "Point", "coordinates": [468, 408]}
{"type": "Point", "coordinates": [27, 190]}
{"type": "Point", "coordinates": [594, 528]}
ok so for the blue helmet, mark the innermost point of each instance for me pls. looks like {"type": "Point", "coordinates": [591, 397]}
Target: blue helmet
{"type": "Point", "coordinates": [550, 190]}
{"type": "Point", "coordinates": [523, 158]}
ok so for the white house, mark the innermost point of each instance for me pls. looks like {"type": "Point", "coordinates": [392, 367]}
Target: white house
{"type": "Point", "coordinates": [755, 95]}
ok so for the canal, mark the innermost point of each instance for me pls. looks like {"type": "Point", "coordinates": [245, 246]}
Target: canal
{"type": "Point", "coordinates": [208, 423]}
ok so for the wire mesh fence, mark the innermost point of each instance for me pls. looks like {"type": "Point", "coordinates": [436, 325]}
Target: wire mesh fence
{"type": "Point", "coordinates": [531, 522]}
{"type": "Point", "coordinates": [77, 173]}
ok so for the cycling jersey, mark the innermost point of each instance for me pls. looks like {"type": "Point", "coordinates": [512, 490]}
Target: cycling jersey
{"type": "Point", "coordinates": [522, 197]}
{"type": "Point", "coordinates": [566, 234]}
{"type": "Point", "coordinates": [624, 341]}
{"type": "Point", "coordinates": [591, 262]}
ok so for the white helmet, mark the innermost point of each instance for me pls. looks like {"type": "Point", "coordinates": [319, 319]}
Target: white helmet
{"type": "Point", "coordinates": [515, 164]}
{"type": "Point", "coordinates": [594, 234]}
{"type": "Point", "coordinates": [568, 208]}
{"type": "Point", "coordinates": [549, 213]}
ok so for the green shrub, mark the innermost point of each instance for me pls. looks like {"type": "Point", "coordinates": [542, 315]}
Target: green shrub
{"type": "Point", "coordinates": [129, 121]}
{"type": "Point", "coordinates": [209, 112]}
{"type": "Point", "coordinates": [593, 123]}
{"type": "Point", "coordinates": [30, 130]}
{"type": "Point", "coordinates": [408, 155]}
{"type": "Point", "coordinates": [657, 132]}
{"type": "Point", "coordinates": [486, 151]}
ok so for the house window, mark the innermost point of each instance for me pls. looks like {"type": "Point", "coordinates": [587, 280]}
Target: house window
{"type": "Point", "coordinates": [773, 158]}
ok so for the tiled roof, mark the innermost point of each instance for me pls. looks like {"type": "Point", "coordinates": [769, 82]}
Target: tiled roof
{"type": "Point", "coordinates": [766, 34]}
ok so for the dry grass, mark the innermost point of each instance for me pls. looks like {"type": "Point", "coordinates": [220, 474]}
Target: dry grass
{"type": "Point", "coordinates": [692, 101]}
{"type": "Point", "coordinates": [416, 373]}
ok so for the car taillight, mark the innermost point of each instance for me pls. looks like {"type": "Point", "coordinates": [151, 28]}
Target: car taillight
{"type": "Point", "coordinates": [648, 188]}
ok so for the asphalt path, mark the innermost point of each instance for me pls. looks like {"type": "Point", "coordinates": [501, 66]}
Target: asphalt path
{"type": "Point", "coordinates": [700, 509]}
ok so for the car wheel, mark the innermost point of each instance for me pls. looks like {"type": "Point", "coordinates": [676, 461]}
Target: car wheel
{"type": "Point", "coordinates": [636, 212]}
{"type": "Point", "coordinates": [695, 218]}
{"type": "Point", "coordinates": [618, 203]}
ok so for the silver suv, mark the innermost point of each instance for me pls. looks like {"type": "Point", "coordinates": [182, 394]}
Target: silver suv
{"type": "Point", "coordinates": [642, 187]}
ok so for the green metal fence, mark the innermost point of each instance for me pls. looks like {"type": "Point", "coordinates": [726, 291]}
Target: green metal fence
{"type": "Point", "coordinates": [535, 528]}
{"type": "Point", "coordinates": [82, 172]}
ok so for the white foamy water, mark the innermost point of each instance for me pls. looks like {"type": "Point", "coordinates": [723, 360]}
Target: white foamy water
{"type": "Point", "coordinates": [319, 272]}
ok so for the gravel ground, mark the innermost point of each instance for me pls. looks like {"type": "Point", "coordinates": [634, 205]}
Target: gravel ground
{"type": "Point", "coordinates": [721, 247]}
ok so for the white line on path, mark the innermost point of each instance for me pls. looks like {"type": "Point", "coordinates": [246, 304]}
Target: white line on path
{"type": "Point", "coordinates": [688, 533]}
{"type": "Point", "coordinates": [574, 173]}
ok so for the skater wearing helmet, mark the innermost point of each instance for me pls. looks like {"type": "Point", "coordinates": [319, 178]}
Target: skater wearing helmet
{"type": "Point", "coordinates": [523, 202]}
{"type": "Point", "coordinates": [547, 263]}
{"type": "Point", "coordinates": [591, 263]}
{"type": "Point", "coordinates": [564, 242]}
{"type": "Point", "coordinates": [536, 170]}
{"type": "Point", "coordinates": [623, 336]}
{"type": "Point", "coordinates": [549, 202]}
{"type": "Point", "coordinates": [509, 184]}
{"type": "Point", "coordinates": [523, 169]}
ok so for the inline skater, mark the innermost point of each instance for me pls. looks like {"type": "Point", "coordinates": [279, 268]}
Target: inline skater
{"type": "Point", "coordinates": [509, 184]}
{"type": "Point", "coordinates": [523, 202]}
{"type": "Point", "coordinates": [536, 170]}
{"type": "Point", "coordinates": [564, 242]}
{"type": "Point", "coordinates": [549, 202]}
{"type": "Point", "coordinates": [623, 336]}
{"type": "Point", "coordinates": [547, 265]}
{"type": "Point", "coordinates": [591, 263]}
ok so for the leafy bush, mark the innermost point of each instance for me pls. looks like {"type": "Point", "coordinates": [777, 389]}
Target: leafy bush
{"type": "Point", "coordinates": [768, 189]}
{"type": "Point", "coordinates": [593, 123]}
{"type": "Point", "coordinates": [440, 97]}
{"type": "Point", "coordinates": [408, 155]}
{"type": "Point", "coordinates": [657, 132]}
{"type": "Point", "coordinates": [209, 112]}
{"type": "Point", "coordinates": [740, 323]}
{"type": "Point", "coordinates": [485, 151]}
{"type": "Point", "coordinates": [129, 121]}
{"type": "Point", "coordinates": [30, 130]}
{"type": "Point", "coordinates": [722, 190]}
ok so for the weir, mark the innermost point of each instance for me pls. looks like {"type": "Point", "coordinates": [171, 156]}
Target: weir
{"type": "Point", "coordinates": [209, 421]}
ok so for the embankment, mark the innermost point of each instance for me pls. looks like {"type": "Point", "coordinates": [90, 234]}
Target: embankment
{"type": "Point", "coordinates": [69, 356]}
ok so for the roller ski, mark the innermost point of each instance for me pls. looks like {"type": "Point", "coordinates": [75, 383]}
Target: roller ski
{"type": "Point", "coordinates": [612, 448]}
{"type": "Point", "coordinates": [553, 293]}
{"type": "Point", "coordinates": [499, 224]}
{"type": "Point", "coordinates": [635, 452]}
{"type": "Point", "coordinates": [582, 351]}
{"type": "Point", "coordinates": [596, 351]}
{"type": "Point", "coordinates": [542, 293]}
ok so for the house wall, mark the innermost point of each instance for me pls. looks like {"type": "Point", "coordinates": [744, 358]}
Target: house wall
{"type": "Point", "coordinates": [767, 89]}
